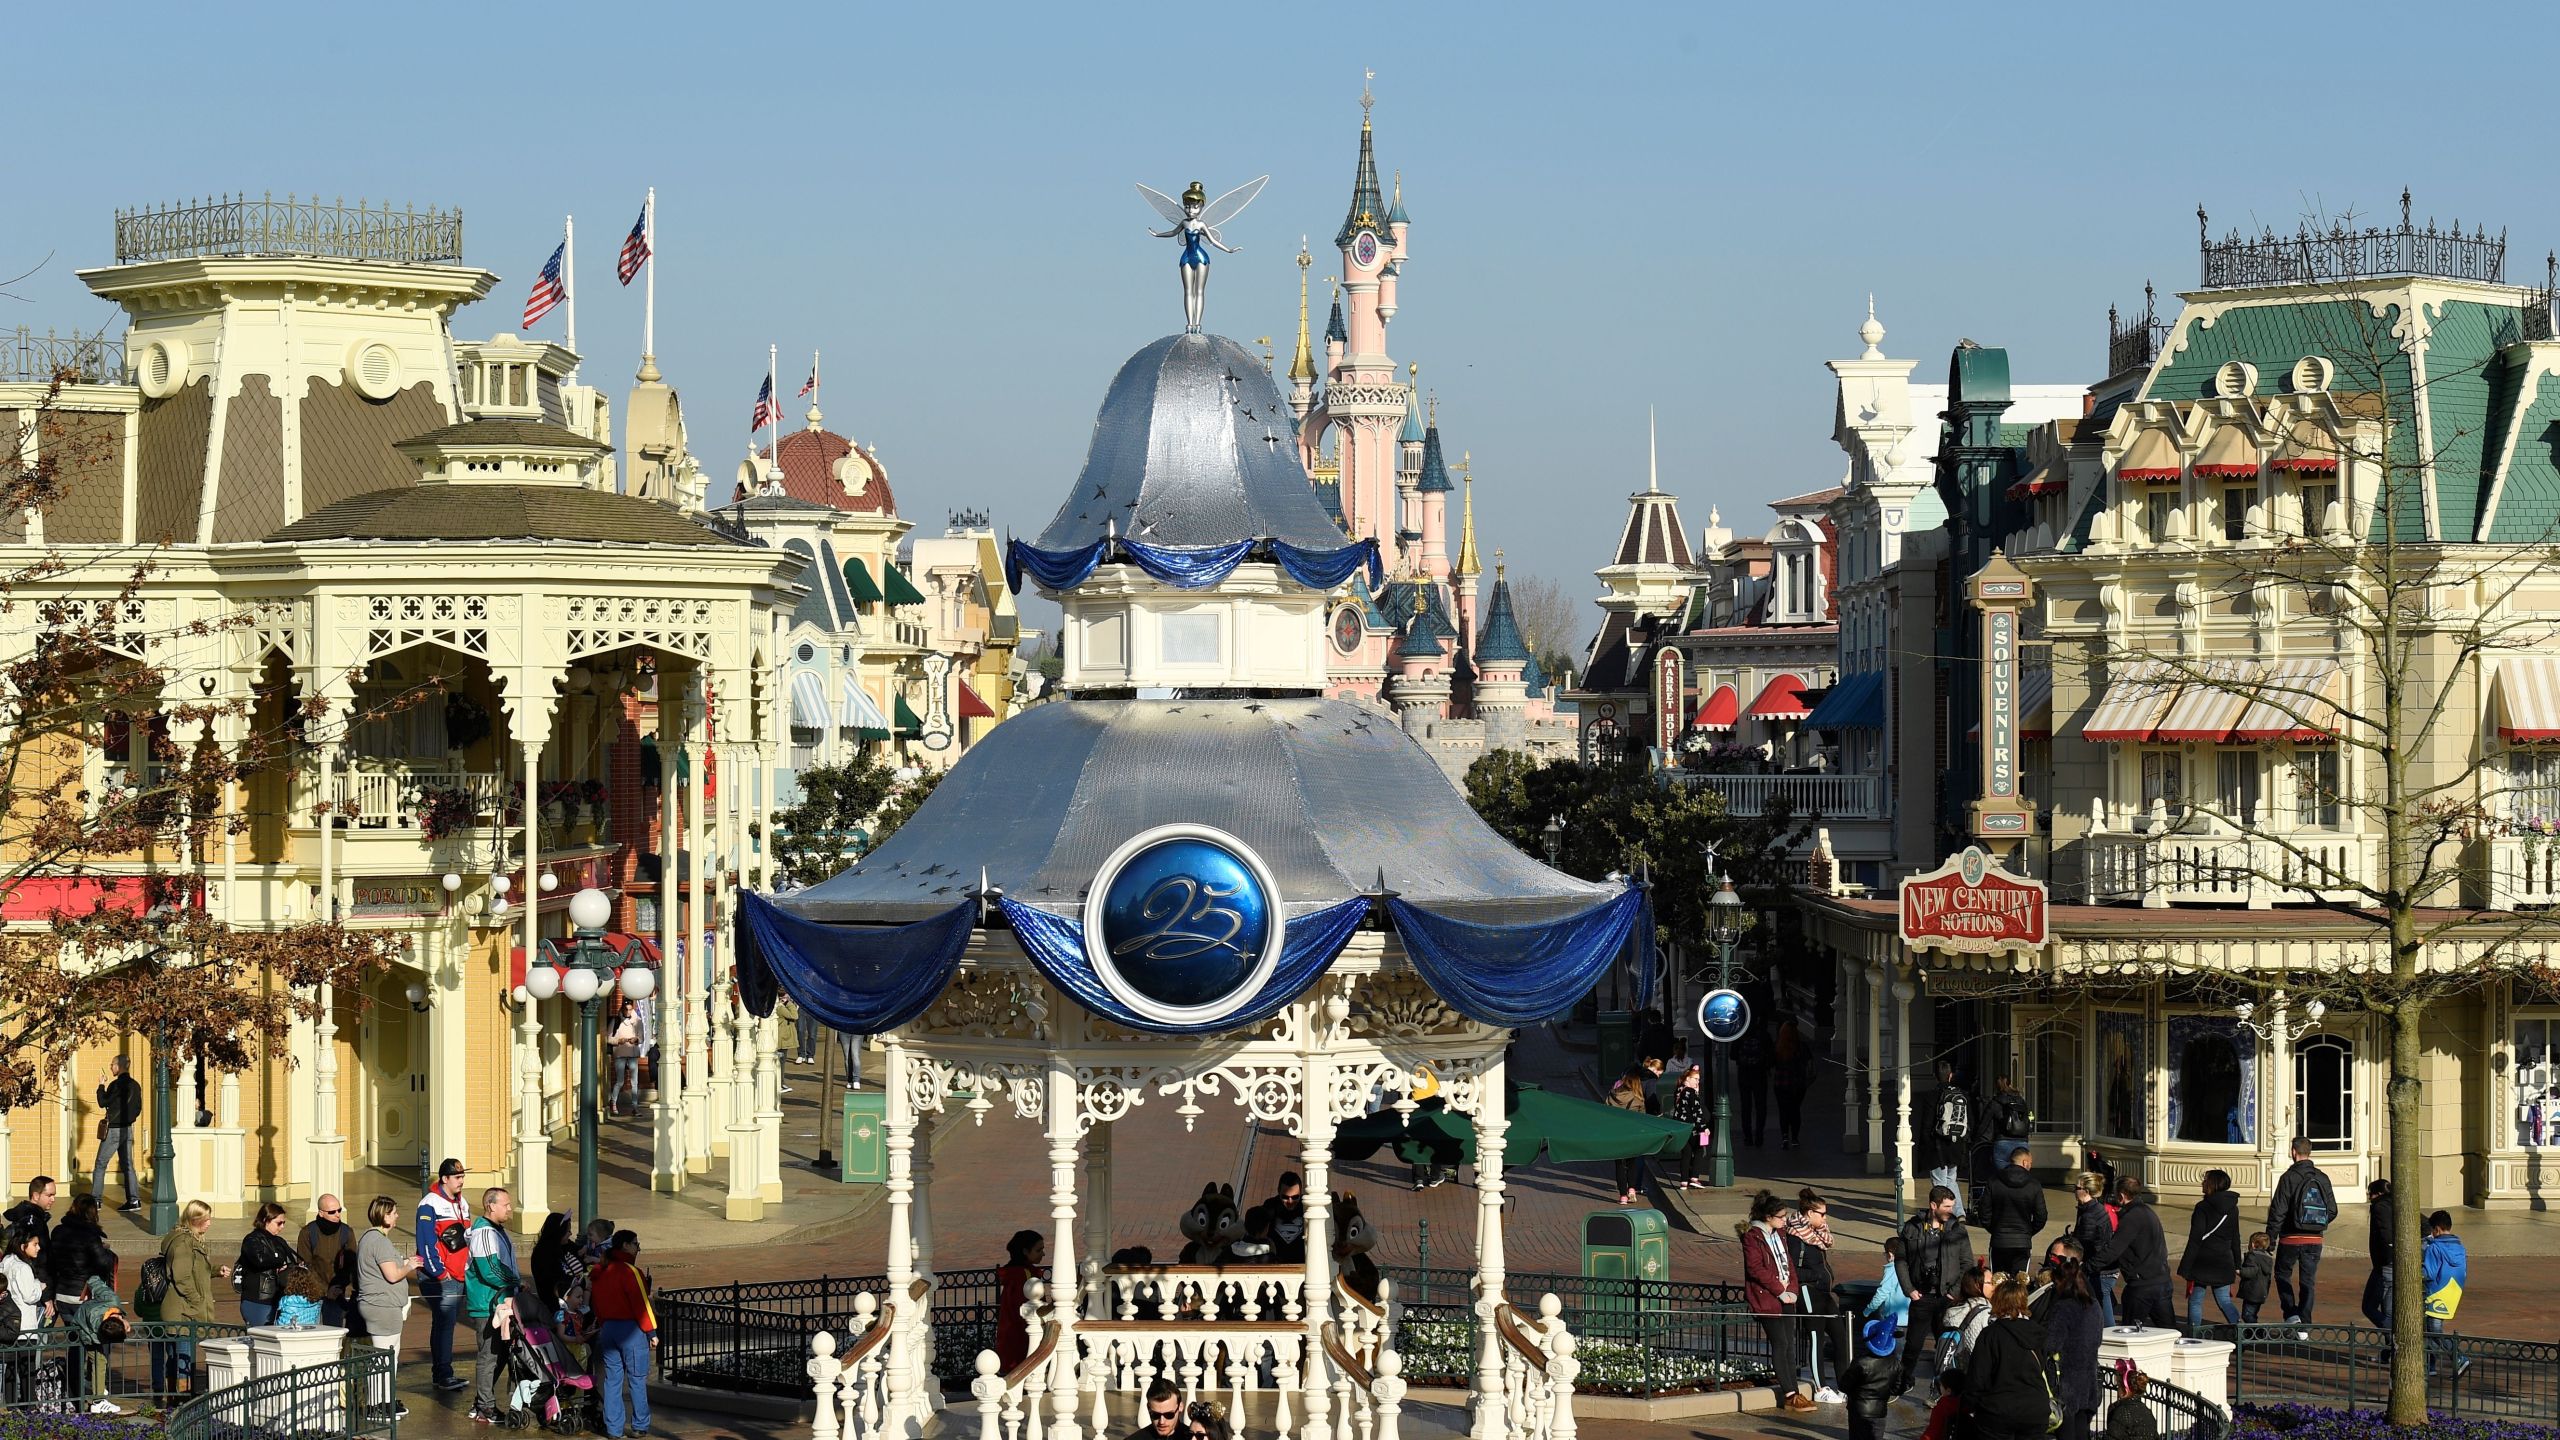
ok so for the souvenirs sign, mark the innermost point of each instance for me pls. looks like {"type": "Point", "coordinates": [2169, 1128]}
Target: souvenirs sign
{"type": "Point", "coordinates": [1183, 924]}
{"type": "Point", "coordinates": [1972, 908]}
{"type": "Point", "coordinates": [1666, 701]}
{"type": "Point", "coordinates": [2001, 591]}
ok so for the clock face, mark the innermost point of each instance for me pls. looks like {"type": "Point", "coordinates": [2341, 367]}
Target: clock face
{"type": "Point", "coordinates": [1346, 629]}
{"type": "Point", "coordinates": [1364, 249]}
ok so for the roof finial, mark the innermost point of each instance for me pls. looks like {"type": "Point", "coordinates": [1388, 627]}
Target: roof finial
{"type": "Point", "coordinates": [1652, 455]}
{"type": "Point", "coordinates": [1434, 399]}
{"type": "Point", "coordinates": [1498, 566]}
{"type": "Point", "coordinates": [1872, 332]}
{"type": "Point", "coordinates": [1366, 99]}
{"type": "Point", "coordinates": [1302, 366]}
{"type": "Point", "coordinates": [1467, 565]}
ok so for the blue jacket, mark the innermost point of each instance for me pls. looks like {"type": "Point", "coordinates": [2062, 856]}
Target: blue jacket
{"type": "Point", "coordinates": [2448, 1270]}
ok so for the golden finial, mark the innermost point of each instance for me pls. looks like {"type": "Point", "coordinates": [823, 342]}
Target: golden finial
{"type": "Point", "coordinates": [1467, 564]}
{"type": "Point", "coordinates": [1366, 99]}
{"type": "Point", "coordinates": [1302, 366]}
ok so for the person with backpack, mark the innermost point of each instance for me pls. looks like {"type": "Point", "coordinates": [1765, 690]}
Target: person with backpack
{"type": "Point", "coordinates": [2139, 1252]}
{"type": "Point", "coordinates": [2448, 1269]}
{"type": "Point", "coordinates": [177, 1287]}
{"type": "Point", "coordinates": [2013, 1122]}
{"type": "Point", "coordinates": [2299, 1215]}
{"type": "Point", "coordinates": [1950, 1133]}
{"type": "Point", "coordinates": [2093, 1224]}
{"type": "Point", "coordinates": [444, 1222]}
{"type": "Point", "coordinates": [2013, 1211]}
{"type": "Point", "coordinates": [2211, 1264]}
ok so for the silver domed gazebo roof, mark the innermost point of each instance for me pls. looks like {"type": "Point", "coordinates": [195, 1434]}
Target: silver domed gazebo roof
{"type": "Point", "coordinates": [1193, 446]}
{"type": "Point", "coordinates": [1331, 796]}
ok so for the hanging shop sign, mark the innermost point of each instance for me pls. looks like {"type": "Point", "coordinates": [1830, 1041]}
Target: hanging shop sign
{"type": "Point", "coordinates": [1668, 712]}
{"type": "Point", "coordinates": [2000, 591]}
{"type": "Point", "coordinates": [1183, 924]}
{"type": "Point", "coordinates": [938, 731]}
{"type": "Point", "coordinates": [1972, 907]}
{"type": "Point", "coordinates": [1724, 1016]}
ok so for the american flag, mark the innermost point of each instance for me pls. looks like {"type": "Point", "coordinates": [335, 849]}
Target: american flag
{"type": "Point", "coordinates": [768, 409]}
{"type": "Point", "coordinates": [811, 383]}
{"type": "Point", "coordinates": [635, 248]}
{"type": "Point", "coordinates": [548, 292]}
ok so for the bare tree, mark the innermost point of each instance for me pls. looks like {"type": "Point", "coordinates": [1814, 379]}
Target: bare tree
{"type": "Point", "coordinates": [1550, 621]}
{"type": "Point", "coordinates": [2383, 802]}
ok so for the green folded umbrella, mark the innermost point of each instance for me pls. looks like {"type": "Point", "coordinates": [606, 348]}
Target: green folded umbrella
{"type": "Point", "coordinates": [1566, 1129]}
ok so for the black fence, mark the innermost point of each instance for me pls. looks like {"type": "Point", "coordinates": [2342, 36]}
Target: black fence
{"type": "Point", "coordinates": [754, 1339]}
{"type": "Point", "coordinates": [2348, 1367]}
{"type": "Point", "coordinates": [344, 1399]}
{"type": "Point", "coordinates": [1634, 1337]}
{"type": "Point", "coordinates": [2180, 1414]}
{"type": "Point", "coordinates": [53, 1371]}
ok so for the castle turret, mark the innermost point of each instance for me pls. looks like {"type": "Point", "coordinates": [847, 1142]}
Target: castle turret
{"type": "Point", "coordinates": [1364, 397]}
{"type": "Point", "coordinates": [1409, 471]}
{"type": "Point", "coordinates": [1502, 661]}
{"type": "Point", "coordinates": [1463, 575]}
{"type": "Point", "coordinates": [1420, 690]}
{"type": "Point", "coordinates": [1302, 365]}
{"type": "Point", "coordinates": [1432, 488]}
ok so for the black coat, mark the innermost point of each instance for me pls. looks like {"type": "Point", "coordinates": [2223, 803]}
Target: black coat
{"type": "Point", "coordinates": [28, 1215]}
{"type": "Point", "coordinates": [2213, 1241]}
{"type": "Point", "coordinates": [120, 1101]}
{"type": "Point", "coordinates": [2013, 1207]}
{"type": "Point", "coordinates": [2005, 1382]}
{"type": "Point", "coordinates": [2139, 1252]}
{"type": "Point", "coordinates": [2071, 1334]}
{"type": "Point", "coordinates": [263, 1260]}
{"type": "Point", "coordinates": [1936, 1262]}
{"type": "Point", "coordinates": [75, 1253]}
{"type": "Point", "coordinates": [2091, 1227]}
{"type": "Point", "coordinates": [2377, 1233]}
{"type": "Point", "coordinates": [1870, 1382]}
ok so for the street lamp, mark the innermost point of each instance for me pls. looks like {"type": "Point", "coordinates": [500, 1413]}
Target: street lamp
{"type": "Point", "coordinates": [589, 976]}
{"type": "Point", "coordinates": [1555, 839]}
{"type": "Point", "coordinates": [1724, 927]}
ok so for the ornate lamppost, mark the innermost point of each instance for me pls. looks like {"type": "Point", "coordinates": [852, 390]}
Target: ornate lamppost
{"type": "Point", "coordinates": [1554, 836]}
{"type": "Point", "coordinates": [164, 1148]}
{"type": "Point", "coordinates": [590, 974]}
{"type": "Point", "coordinates": [1724, 927]}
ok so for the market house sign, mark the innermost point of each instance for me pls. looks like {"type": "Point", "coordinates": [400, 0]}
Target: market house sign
{"type": "Point", "coordinates": [1972, 908]}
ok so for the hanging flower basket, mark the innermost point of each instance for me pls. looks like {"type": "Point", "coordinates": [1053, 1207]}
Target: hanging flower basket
{"type": "Point", "coordinates": [442, 810]}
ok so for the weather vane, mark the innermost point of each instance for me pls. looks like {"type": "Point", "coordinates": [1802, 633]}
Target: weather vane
{"type": "Point", "coordinates": [1193, 222]}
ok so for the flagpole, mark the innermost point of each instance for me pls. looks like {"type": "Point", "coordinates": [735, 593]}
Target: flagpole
{"type": "Point", "coordinates": [814, 396]}
{"type": "Point", "coordinates": [569, 283]}
{"type": "Point", "coordinates": [649, 298]}
{"type": "Point", "coordinates": [773, 387]}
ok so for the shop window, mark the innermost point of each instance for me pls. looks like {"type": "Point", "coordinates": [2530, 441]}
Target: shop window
{"type": "Point", "coordinates": [2319, 801]}
{"type": "Point", "coordinates": [2316, 500]}
{"type": "Point", "coordinates": [2235, 777]}
{"type": "Point", "coordinates": [2537, 1082]}
{"type": "Point", "coordinates": [2237, 501]}
{"type": "Point", "coordinates": [2533, 783]}
{"type": "Point", "coordinates": [2157, 507]}
{"type": "Point", "coordinates": [2053, 1076]}
{"type": "Point", "coordinates": [2213, 1081]}
{"type": "Point", "coordinates": [2163, 779]}
{"type": "Point", "coordinates": [2124, 1074]}
{"type": "Point", "coordinates": [2324, 1092]}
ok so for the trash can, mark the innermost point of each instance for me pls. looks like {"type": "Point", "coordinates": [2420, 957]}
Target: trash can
{"type": "Point", "coordinates": [1617, 1045]}
{"type": "Point", "coordinates": [865, 1151]}
{"type": "Point", "coordinates": [1621, 1250]}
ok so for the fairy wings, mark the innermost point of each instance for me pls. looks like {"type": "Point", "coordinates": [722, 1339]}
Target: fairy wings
{"type": "Point", "coordinates": [1212, 215]}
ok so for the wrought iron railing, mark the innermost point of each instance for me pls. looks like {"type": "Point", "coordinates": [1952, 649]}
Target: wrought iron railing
{"type": "Point", "coordinates": [52, 1370]}
{"type": "Point", "coordinates": [1635, 1337]}
{"type": "Point", "coordinates": [264, 225]}
{"type": "Point", "coordinates": [344, 1399]}
{"type": "Point", "coordinates": [74, 359]}
{"type": "Point", "coordinates": [2311, 255]}
{"type": "Point", "coordinates": [2134, 341]}
{"type": "Point", "coordinates": [2348, 1367]}
{"type": "Point", "coordinates": [754, 1339]}
{"type": "Point", "coordinates": [2177, 1414]}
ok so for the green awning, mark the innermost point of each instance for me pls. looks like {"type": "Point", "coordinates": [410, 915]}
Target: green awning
{"type": "Point", "coordinates": [857, 578]}
{"type": "Point", "coordinates": [900, 592]}
{"type": "Point", "coordinates": [1567, 1129]}
{"type": "Point", "coordinates": [908, 725]}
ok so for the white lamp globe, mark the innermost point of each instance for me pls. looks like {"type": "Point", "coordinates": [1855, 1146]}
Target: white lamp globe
{"type": "Point", "coordinates": [521, 994]}
{"type": "Point", "coordinates": [548, 883]}
{"type": "Point", "coordinates": [502, 884]}
{"type": "Point", "coordinates": [579, 985]}
{"type": "Point", "coordinates": [589, 909]}
{"type": "Point", "coordinates": [639, 982]}
{"type": "Point", "coordinates": [498, 906]}
{"type": "Point", "coordinates": [451, 882]}
{"type": "Point", "coordinates": [542, 982]}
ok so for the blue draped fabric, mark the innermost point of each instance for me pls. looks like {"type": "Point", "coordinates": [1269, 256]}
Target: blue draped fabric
{"type": "Point", "coordinates": [1523, 974]}
{"type": "Point", "coordinates": [860, 980]}
{"type": "Point", "coordinates": [1054, 569]}
{"type": "Point", "coordinates": [1308, 944]}
{"type": "Point", "coordinates": [1187, 567]}
{"type": "Point", "coordinates": [1324, 569]}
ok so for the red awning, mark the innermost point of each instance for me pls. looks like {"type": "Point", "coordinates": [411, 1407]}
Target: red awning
{"type": "Point", "coordinates": [2528, 697]}
{"type": "Point", "coordinates": [1719, 711]}
{"type": "Point", "coordinates": [973, 706]}
{"type": "Point", "coordinates": [1781, 699]}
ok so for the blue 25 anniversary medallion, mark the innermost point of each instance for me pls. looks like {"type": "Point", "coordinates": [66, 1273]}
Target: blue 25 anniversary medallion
{"type": "Point", "coordinates": [1183, 924]}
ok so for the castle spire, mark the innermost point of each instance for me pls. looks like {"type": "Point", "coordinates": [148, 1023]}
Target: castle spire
{"type": "Point", "coordinates": [1468, 565]}
{"type": "Point", "coordinates": [1302, 366]}
{"type": "Point", "coordinates": [1368, 207]}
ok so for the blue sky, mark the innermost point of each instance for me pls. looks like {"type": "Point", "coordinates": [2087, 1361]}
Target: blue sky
{"type": "Point", "coordinates": [1676, 205]}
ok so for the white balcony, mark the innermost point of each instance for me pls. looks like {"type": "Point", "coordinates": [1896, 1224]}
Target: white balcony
{"type": "Point", "coordinates": [1854, 797]}
{"type": "Point", "coordinates": [398, 799]}
{"type": "Point", "coordinates": [2178, 867]}
{"type": "Point", "coordinates": [2524, 870]}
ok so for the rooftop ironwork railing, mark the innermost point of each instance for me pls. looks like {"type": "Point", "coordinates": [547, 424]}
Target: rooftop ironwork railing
{"type": "Point", "coordinates": [2134, 341]}
{"type": "Point", "coordinates": [2311, 255]}
{"type": "Point", "coordinates": [74, 359]}
{"type": "Point", "coordinates": [264, 225]}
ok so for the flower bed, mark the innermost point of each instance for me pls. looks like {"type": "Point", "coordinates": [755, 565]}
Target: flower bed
{"type": "Point", "coordinates": [30, 1425]}
{"type": "Point", "coordinates": [1442, 1352]}
{"type": "Point", "coordinates": [2311, 1422]}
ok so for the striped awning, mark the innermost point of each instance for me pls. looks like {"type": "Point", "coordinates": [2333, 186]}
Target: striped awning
{"type": "Point", "coordinates": [2134, 702]}
{"type": "Point", "coordinates": [860, 713]}
{"type": "Point", "coordinates": [1720, 710]}
{"type": "Point", "coordinates": [2230, 454]}
{"type": "Point", "coordinates": [1855, 703]}
{"type": "Point", "coordinates": [2153, 456]}
{"type": "Point", "coordinates": [808, 701]}
{"type": "Point", "coordinates": [2528, 698]}
{"type": "Point", "coordinates": [2298, 700]}
{"type": "Point", "coordinates": [1781, 699]}
{"type": "Point", "coordinates": [2210, 701]}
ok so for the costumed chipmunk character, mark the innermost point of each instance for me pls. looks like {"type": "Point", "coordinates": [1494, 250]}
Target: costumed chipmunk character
{"type": "Point", "coordinates": [1353, 1239]}
{"type": "Point", "coordinates": [1211, 1225]}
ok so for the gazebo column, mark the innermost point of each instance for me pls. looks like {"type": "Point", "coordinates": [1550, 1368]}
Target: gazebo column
{"type": "Point", "coordinates": [1492, 1123]}
{"type": "Point", "coordinates": [922, 1216]}
{"type": "Point", "coordinates": [907, 1409]}
{"type": "Point", "coordinates": [1063, 1116]}
{"type": "Point", "coordinates": [747, 1060]}
{"type": "Point", "coordinates": [1874, 1006]}
{"type": "Point", "coordinates": [1097, 1195]}
{"type": "Point", "coordinates": [1315, 1161]}
{"type": "Point", "coordinates": [697, 1019]}
{"type": "Point", "coordinates": [757, 864]}
{"type": "Point", "coordinates": [667, 1168]}
{"type": "Point", "coordinates": [533, 1141]}
{"type": "Point", "coordinates": [1903, 990]}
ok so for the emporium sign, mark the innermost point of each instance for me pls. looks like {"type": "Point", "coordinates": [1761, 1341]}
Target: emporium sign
{"type": "Point", "coordinates": [1972, 908]}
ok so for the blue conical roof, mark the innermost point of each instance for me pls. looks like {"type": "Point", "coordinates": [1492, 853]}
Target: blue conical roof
{"type": "Point", "coordinates": [1333, 328]}
{"type": "Point", "coordinates": [1425, 634]}
{"type": "Point", "coordinates": [1367, 205]}
{"type": "Point", "coordinates": [1501, 643]}
{"type": "Point", "coordinates": [1395, 205]}
{"type": "Point", "coordinates": [1534, 676]}
{"type": "Point", "coordinates": [1412, 433]}
{"type": "Point", "coordinates": [1435, 473]}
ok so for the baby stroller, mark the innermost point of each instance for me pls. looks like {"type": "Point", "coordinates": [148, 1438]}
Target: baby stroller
{"type": "Point", "coordinates": [546, 1386]}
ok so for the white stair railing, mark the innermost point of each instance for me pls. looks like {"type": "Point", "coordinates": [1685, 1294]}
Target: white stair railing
{"type": "Point", "coordinates": [1538, 1370]}
{"type": "Point", "coordinates": [853, 1389]}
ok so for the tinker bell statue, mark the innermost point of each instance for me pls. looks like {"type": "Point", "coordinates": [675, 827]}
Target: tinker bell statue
{"type": "Point", "coordinates": [1194, 222]}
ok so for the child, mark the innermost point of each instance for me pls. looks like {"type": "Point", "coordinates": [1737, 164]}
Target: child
{"type": "Point", "coordinates": [1871, 1378]}
{"type": "Point", "coordinates": [303, 1292]}
{"type": "Point", "coordinates": [1942, 1416]}
{"type": "Point", "coordinates": [2257, 1274]}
